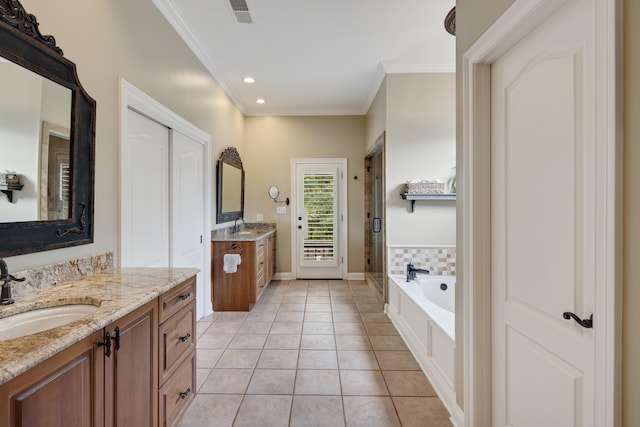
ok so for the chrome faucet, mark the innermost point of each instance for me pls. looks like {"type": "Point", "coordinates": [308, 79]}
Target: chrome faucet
{"type": "Point", "coordinates": [6, 295]}
{"type": "Point", "coordinates": [236, 227]}
{"type": "Point", "coordinates": [411, 272]}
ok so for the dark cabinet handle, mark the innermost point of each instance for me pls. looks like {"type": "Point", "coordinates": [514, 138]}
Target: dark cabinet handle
{"type": "Point", "coordinates": [299, 227]}
{"type": "Point", "coordinates": [106, 344]}
{"type": "Point", "coordinates": [184, 394]}
{"type": "Point", "coordinates": [185, 296]}
{"type": "Point", "coordinates": [585, 323]}
{"type": "Point", "coordinates": [184, 337]}
{"type": "Point", "coordinates": [116, 338]}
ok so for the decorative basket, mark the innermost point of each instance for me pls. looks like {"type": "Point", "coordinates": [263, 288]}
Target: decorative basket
{"type": "Point", "coordinates": [424, 187]}
{"type": "Point", "coordinates": [9, 178]}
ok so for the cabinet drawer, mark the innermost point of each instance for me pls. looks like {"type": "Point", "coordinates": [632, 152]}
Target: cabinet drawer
{"type": "Point", "coordinates": [260, 250]}
{"type": "Point", "coordinates": [260, 256]}
{"type": "Point", "coordinates": [177, 298]}
{"type": "Point", "coordinates": [177, 338]}
{"type": "Point", "coordinates": [176, 394]}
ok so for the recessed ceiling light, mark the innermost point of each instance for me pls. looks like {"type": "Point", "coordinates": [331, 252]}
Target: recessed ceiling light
{"type": "Point", "coordinates": [249, 80]}
{"type": "Point", "coordinates": [260, 101]}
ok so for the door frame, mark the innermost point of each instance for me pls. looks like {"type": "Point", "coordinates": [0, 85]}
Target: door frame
{"type": "Point", "coordinates": [133, 98]}
{"type": "Point", "coordinates": [343, 211]}
{"type": "Point", "coordinates": [475, 250]}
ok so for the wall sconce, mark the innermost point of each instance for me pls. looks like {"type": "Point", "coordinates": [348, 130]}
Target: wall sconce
{"type": "Point", "coordinates": [10, 182]}
{"type": "Point", "coordinates": [274, 192]}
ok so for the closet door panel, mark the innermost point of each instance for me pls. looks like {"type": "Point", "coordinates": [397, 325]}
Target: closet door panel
{"type": "Point", "coordinates": [145, 193]}
{"type": "Point", "coordinates": [188, 210]}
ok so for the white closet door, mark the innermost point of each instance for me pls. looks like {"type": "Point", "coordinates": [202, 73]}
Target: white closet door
{"type": "Point", "coordinates": [145, 193]}
{"type": "Point", "coordinates": [187, 208]}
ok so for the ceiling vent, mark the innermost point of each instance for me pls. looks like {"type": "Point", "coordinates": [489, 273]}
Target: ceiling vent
{"type": "Point", "coordinates": [241, 11]}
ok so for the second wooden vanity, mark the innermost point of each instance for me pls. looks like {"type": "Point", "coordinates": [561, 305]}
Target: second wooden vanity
{"type": "Point", "coordinates": [238, 291]}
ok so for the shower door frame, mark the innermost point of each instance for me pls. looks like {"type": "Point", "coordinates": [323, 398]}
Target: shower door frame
{"type": "Point", "coordinates": [378, 147]}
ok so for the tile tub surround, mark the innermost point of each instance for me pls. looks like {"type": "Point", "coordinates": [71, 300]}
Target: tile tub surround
{"type": "Point", "coordinates": [439, 260]}
{"type": "Point", "coordinates": [116, 292]}
{"type": "Point", "coordinates": [310, 353]}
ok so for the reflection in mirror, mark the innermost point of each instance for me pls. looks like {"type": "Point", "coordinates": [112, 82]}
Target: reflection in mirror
{"type": "Point", "coordinates": [230, 200]}
{"type": "Point", "coordinates": [35, 122]}
{"type": "Point", "coordinates": [231, 184]}
{"type": "Point", "coordinates": [55, 172]}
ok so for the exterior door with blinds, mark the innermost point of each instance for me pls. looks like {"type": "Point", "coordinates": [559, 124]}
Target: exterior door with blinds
{"type": "Point", "coordinates": [319, 219]}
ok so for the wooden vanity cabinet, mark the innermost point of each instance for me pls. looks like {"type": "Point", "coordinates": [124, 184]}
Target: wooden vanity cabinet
{"type": "Point", "coordinates": [261, 268]}
{"type": "Point", "coordinates": [177, 355]}
{"type": "Point", "coordinates": [145, 378]}
{"type": "Point", "coordinates": [65, 390]}
{"type": "Point", "coordinates": [271, 257]}
{"type": "Point", "coordinates": [233, 291]}
{"type": "Point", "coordinates": [240, 290]}
{"type": "Point", "coordinates": [131, 371]}
{"type": "Point", "coordinates": [265, 263]}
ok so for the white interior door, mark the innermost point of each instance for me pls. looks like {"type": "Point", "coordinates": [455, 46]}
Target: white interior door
{"type": "Point", "coordinates": [187, 208]}
{"type": "Point", "coordinates": [319, 219]}
{"type": "Point", "coordinates": [145, 197]}
{"type": "Point", "coordinates": [544, 223]}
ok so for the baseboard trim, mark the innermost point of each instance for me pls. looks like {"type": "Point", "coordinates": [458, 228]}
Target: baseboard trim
{"type": "Point", "coordinates": [287, 275]}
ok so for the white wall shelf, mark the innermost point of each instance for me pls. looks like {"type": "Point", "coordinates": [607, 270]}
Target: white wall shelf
{"type": "Point", "coordinates": [430, 197]}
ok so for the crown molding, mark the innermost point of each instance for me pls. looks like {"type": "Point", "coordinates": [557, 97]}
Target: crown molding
{"type": "Point", "coordinates": [179, 25]}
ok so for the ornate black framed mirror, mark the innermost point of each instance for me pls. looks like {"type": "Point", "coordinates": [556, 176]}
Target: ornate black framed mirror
{"type": "Point", "coordinates": [230, 185]}
{"type": "Point", "coordinates": [47, 136]}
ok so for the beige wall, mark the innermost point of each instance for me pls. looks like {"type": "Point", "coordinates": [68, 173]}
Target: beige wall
{"type": "Point", "coordinates": [130, 39]}
{"type": "Point", "coordinates": [631, 213]}
{"type": "Point", "coordinates": [473, 18]}
{"type": "Point", "coordinates": [420, 143]}
{"type": "Point", "coordinates": [376, 121]}
{"type": "Point", "coordinates": [271, 143]}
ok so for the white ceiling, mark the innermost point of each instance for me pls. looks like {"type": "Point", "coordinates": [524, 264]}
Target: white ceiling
{"type": "Point", "coordinates": [313, 57]}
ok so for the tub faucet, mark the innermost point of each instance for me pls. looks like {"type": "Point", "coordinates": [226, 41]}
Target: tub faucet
{"type": "Point", "coordinates": [411, 272]}
{"type": "Point", "coordinates": [6, 296]}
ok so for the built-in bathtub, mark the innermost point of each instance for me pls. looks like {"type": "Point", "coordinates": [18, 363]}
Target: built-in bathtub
{"type": "Point", "coordinates": [423, 311]}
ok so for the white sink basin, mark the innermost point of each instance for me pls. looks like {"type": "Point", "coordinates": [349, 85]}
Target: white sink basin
{"type": "Point", "coordinates": [30, 322]}
{"type": "Point", "coordinates": [247, 233]}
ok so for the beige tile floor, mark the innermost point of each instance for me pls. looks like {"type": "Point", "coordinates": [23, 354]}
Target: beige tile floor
{"type": "Point", "coordinates": [310, 353]}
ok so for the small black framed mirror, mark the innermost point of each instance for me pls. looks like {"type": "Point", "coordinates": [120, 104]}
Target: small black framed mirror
{"type": "Point", "coordinates": [230, 185]}
{"type": "Point", "coordinates": [69, 128]}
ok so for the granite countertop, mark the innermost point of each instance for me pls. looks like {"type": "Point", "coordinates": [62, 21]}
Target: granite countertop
{"type": "Point", "coordinates": [250, 232]}
{"type": "Point", "coordinates": [116, 292]}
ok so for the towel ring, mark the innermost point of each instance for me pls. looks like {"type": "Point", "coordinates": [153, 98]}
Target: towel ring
{"type": "Point", "coordinates": [234, 246]}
